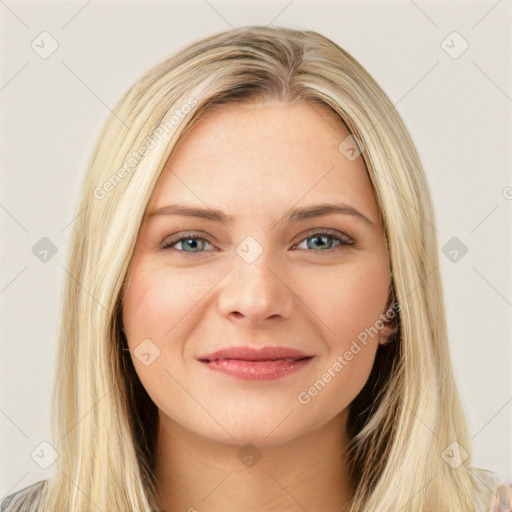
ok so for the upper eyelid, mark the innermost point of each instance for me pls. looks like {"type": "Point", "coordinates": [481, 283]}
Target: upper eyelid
{"type": "Point", "coordinates": [325, 231]}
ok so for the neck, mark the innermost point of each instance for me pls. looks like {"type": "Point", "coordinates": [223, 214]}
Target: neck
{"type": "Point", "coordinates": [310, 472]}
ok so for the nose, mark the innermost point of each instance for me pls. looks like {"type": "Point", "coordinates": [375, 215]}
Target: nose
{"type": "Point", "coordinates": [256, 292]}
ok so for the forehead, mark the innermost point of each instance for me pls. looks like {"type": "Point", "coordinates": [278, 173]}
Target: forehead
{"type": "Point", "coordinates": [266, 156]}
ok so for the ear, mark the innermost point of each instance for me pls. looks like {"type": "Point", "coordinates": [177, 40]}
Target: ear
{"type": "Point", "coordinates": [391, 322]}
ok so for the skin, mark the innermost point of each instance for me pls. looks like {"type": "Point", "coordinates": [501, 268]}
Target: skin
{"type": "Point", "coordinates": [256, 162]}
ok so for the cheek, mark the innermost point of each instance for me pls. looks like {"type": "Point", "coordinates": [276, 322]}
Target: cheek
{"type": "Point", "coordinates": [155, 302]}
{"type": "Point", "coordinates": [160, 313]}
{"type": "Point", "coordinates": [349, 314]}
{"type": "Point", "coordinates": [349, 301]}
{"type": "Point", "coordinates": [349, 305]}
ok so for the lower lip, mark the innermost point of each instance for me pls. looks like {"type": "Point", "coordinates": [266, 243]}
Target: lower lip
{"type": "Point", "coordinates": [256, 370]}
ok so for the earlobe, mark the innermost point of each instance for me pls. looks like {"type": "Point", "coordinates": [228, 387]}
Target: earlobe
{"type": "Point", "coordinates": [391, 323]}
{"type": "Point", "coordinates": [387, 332]}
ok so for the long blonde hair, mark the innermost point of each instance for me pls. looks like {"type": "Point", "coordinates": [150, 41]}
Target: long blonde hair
{"type": "Point", "coordinates": [409, 412]}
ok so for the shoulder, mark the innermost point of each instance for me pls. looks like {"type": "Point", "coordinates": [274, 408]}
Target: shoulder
{"type": "Point", "coordinates": [23, 499]}
{"type": "Point", "coordinates": [498, 493]}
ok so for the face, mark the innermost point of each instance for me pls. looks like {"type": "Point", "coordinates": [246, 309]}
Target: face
{"type": "Point", "coordinates": [256, 277]}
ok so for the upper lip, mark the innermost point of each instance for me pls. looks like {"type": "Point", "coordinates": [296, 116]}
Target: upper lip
{"type": "Point", "coordinates": [256, 354]}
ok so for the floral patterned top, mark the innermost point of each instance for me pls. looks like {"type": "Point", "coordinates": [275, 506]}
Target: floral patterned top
{"type": "Point", "coordinates": [499, 494]}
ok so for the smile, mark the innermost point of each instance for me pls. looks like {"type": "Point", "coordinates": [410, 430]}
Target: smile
{"type": "Point", "coordinates": [249, 363]}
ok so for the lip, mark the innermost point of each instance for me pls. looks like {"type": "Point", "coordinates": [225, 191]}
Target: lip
{"type": "Point", "coordinates": [256, 354]}
{"type": "Point", "coordinates": [247, 363]}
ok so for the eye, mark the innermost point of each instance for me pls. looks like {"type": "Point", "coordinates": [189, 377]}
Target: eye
{"type": "Point", "coordinates": [190, 243]}
{"type": "Point", "coordinates": [326, 240]}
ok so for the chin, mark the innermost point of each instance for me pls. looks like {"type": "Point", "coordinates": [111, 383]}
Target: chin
{"type": "Point", "coordinates": [263, 432]}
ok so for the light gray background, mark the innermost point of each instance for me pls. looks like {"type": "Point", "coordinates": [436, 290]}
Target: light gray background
{"type": "Point", "coordinates": [457, 110]}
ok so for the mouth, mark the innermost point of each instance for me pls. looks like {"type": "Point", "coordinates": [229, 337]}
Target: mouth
{"type": "Point", "coordinates": [248, 363]}
{"type": "Point", "coordinates": [257, 354]}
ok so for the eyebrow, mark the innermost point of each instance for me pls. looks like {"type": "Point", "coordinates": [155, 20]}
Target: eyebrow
{"type": "Point", "coordinates": [295, 215]}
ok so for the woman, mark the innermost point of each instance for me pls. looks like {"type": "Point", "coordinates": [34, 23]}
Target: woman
{"type": "Point", "coordinates": [214, 353]}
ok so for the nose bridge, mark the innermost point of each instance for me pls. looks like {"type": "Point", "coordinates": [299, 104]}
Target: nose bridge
{"type": "Point", "coordinates": [255, 289]}
{"type": "Point", "coordinates": [260, 274]}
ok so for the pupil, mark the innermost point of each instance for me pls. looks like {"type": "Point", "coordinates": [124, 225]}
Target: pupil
{"type": "Point", "coordinates": [191, 241]}
{"type": "Point", "coordinates": [318, 239]}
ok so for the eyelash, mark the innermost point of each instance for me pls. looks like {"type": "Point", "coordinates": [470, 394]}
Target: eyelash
{"type": "Point", "coordinates": [343, 240]}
